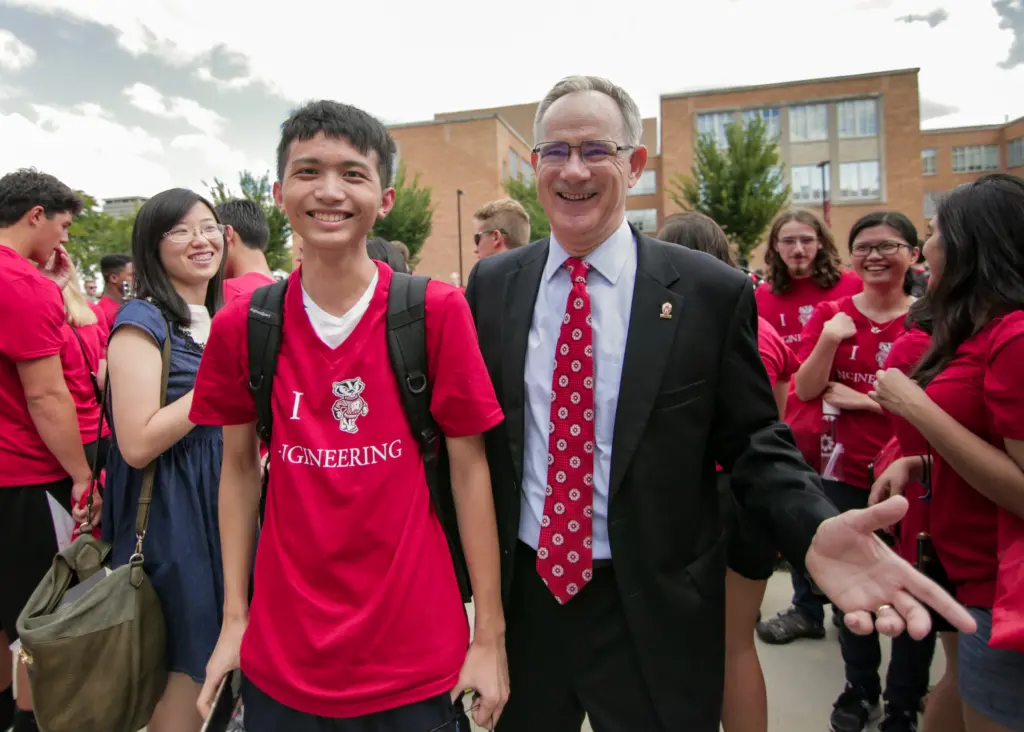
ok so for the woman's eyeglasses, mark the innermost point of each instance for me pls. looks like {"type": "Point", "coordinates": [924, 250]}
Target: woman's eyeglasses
{"type": "Point", "coordinates": [213, 233]}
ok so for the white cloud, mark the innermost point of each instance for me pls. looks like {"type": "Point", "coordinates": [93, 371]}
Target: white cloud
{"type": "Point", "coordinates": [15, 54]}
{"type": "Point", "coordinates": [214, 158]}
{"type": "Point", "coordinates": [148, 99]}
{"type": "Point", "coordinates": [203, 73]}
{"type": "Point", "coordinates": [86, 148]}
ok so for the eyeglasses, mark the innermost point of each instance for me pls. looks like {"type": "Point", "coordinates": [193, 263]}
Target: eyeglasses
{"type": "Point", "coordinates": [213, 233]}
{"type": "Point", "coordinates": [481, 234]}
{"type": "Point", "coordinates": [885, 248]}
{"type": "Point", "coordinates": [592, 152]}
{"type": "Point", "coordinates": [791, 241]}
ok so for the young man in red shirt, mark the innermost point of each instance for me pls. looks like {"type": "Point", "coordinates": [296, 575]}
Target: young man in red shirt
{"type": "Point", "coordinates": [356, 621]}
{"type": "Point", "coordinates": [246, 269]}
{"type": "Point", "coordinates": [117, 271]}
{"type": "Point", "coordinates": [42, 461]}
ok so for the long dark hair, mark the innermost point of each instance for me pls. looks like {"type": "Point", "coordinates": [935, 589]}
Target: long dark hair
{"type": "Point", "coordinates": [896, 221]}
{"type": "Point", "coordinates": [827, 267]}
{"type": "Point", "coordinates": [697, 231]}
{"type": "Point", "coordinates": [157, 216]}
{"type": "Point", "coordinates": [981, 233]}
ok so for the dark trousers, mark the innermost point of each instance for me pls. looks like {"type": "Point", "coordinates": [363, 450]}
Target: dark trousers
{"type": "Point", "coordinates": [264, 714]}
{"type": "Point", "coordinates": [569, 660]}
{"type": "Point", "coordinates": [907, 678]}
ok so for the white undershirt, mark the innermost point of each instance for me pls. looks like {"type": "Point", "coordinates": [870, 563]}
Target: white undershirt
{"type": "Point", "coordinates": [333, 330]}
{"type": "Point", "coordinates": [199, 327]}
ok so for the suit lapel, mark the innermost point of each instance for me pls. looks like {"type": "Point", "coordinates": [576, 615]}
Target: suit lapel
{"type": "Point", "coordinates": [648, 344]}
{"type": "Point", "coordinates": [520, 295]}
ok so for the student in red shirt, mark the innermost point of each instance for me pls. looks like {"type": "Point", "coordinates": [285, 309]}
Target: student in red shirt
{"type": "Point", "coordinates": [118, 273]}
{"type": "Point", "coordinates": [41, 455]}
{"type": "Point", "coordinates": [751, 557]}
{"type": "Point", "coordinates": [246, 269]}
{"type": "Point", "coordinates": [803, 269]}
{"type": "Point", "coordinates": [356, 615]}
{"type": "Point", "coordinates": [966, 399]}
{"type": "Point", "coordinates": [843, 346]}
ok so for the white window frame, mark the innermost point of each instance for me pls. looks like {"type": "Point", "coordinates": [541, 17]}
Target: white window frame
{"type": "Point", "coordinates": [804, 117]}
{"type": "Point", "coordinates": [647, 185]}
{"type": "Point", "coordinates": [641, 218]}
{"type": "Point", "coordinates": [772, 117]}
{"type": "Point", "coordinates": [525, 171]}
{"type": "Point", "coordinates": [931, 204]}
{"type": "Point", "coordinates": [1015, 153]}
{"type": "Point", "coordinates": [929, 161]}
{"type": "Point", "coordinates": [863, 171]}
{"type": "Point", "coordinates": [513, 163]}
{"type": "Point", "coordinates": [805, 183]}
{"type": "Point", "coordinates": [975, 158]}
{"type": "Point", "coordinates": [858, 118]}
{"type": "Point", "coordinates": [714, 123]}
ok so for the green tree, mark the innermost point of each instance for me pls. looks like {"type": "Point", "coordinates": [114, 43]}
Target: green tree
{"type": "Point", "coordinates": [526, 194]}
{"type": "Point", "coordinates": [94, 234]}
{"type": "Point", "coordinates": [740, 187]}
{"type": "Point", "coordinates": [411, 219]}
{"type": "Point", "coordinates": [261, 191]}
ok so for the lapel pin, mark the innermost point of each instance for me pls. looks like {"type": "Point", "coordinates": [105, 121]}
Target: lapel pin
{"type": "Point", "coordinates": [666, 311]}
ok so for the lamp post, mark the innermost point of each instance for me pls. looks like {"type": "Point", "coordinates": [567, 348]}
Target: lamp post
{"type": "Point", "coordinates": [826, 198]}
{"type": "Point", "coordinates": [458, 210]}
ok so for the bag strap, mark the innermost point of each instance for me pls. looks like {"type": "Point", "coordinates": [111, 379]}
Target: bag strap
{"type": "Point", "coordinates": [146, 494]}
{"type": "Point", "coordinates": [92, 374]}
{"type": "Point", "coordinates": [266, 316]}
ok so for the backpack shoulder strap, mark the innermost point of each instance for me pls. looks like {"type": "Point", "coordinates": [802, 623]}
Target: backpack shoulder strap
{"type": "Point", "coordinates": [407, 348]}
{"type": "Point", "coordinates": [266, 315]}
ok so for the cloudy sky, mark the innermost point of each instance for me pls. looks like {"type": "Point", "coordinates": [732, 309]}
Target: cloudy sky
{"type": "Point", "coordinates": [125, 97]}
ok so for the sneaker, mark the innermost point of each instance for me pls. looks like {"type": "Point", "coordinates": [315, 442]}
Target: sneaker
{"type": "Point", "coordinates": [852, 711]}
{"type": "Point", "coordinates": [789, 626]}
{"type": "Point", "coordinates": [895, 721]}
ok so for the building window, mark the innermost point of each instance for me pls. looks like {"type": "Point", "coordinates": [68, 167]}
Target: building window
{"type": "Point", "coordinates": [647, 185]}
{"type": "Point", "coordinates": [808, 123]}
{"type": "Point", "coordinates": [805, 181]}
{"type": "Point", "coordinates": [525, 171]}
{"type": "Point", "coordinates": [713, 123]}
{"type": "Point", "coordinates": [645, 219]}
{"type": "Point", "coordinates": [1015, 153]}
{"type": "Point", "coordinates": [975, 158]}
{"type": "Point", "coordinates": [513, 163]}
{"type": "Point", "coordinates": [770, 117]}
{"type": "Point", "coordinates": [860, 180]}
{"type": "Point", "coordinates": [929, 162]}
{"type": "Point", "coordinates": [931, 203]}
{"type": "Point", "coordinates": [858, 118]}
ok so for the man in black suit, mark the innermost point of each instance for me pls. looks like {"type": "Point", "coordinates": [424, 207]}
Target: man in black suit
{"type": "Point", "coordinates": [627, 368]}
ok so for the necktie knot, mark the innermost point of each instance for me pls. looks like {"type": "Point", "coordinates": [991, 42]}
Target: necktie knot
{"type": "Point", "coordinates": [578, 269]}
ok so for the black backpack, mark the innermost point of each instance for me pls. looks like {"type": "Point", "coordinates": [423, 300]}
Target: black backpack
{"type": "Point", "coordinates": [407, 348]}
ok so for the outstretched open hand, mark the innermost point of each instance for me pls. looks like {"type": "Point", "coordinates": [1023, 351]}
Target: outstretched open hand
{"type": "Point", "coordinates": [873, 585]}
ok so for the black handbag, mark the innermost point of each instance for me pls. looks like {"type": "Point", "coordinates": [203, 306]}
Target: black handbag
{"type": "Point", "coordinates": [927, 562]}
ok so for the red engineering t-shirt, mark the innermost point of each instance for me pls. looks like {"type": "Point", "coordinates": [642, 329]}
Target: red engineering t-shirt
{"type": "Point", "coordinates": [356, 607]}
{"type": "Point", "coordinates": [980, 388]}
{"type": "Point", "coordinates": [862, 433]}
{"type": "Point", "coordinates": [789, 312]}
{"type": "Point", "coordinates": [778, 358]}
{"type": "Point", "coordinates": [245, 285]}
{"type": "Point", "coordinates": [32, 318]}
{"type": "Point", "coordinates": [80, 359]}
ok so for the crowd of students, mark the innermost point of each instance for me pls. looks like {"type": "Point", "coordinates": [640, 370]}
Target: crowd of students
{"type": "Point", "coordinates": [332, 585]}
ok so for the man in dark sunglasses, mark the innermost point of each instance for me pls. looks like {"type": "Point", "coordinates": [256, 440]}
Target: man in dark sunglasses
{"type": "Point", "coordinates": [627, 368]}
{"type": "Point", "coordinates": [500, 226]}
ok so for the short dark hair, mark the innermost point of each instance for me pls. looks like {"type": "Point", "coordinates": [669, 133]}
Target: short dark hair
{"type": "Point", "coordinates": [24, 189]}
{"type": "Point", "coordinates": [696, 231]}
{"type": "Point", "coordinates": [248, 220]}
{"type": "Point", "coordinates": [111, 264]}
{"type": "Point", "coordinates": [337, 120]}
{"type": "Point", "coordinates": [156, 217]}
{"type": "Point", "coordinates": [896, 221]}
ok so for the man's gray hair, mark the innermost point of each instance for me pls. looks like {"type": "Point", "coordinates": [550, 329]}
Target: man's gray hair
{"type": "Point", "coordinates": [572, 84]}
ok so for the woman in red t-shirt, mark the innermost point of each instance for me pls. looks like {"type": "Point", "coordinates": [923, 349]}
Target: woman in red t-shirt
{"type": "Point", "coordinates": [843, 346]}
{"type": "Point", "coordinates": [751, 558]}
{"type": "Point", "coordinates": [971, 412]}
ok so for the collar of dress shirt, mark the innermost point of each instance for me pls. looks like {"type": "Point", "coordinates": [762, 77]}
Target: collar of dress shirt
{"type": "Point", "coordinates": [608, 259]}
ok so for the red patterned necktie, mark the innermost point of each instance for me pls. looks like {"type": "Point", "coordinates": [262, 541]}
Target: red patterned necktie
{"type": "Point", "coordinates": [564, 555]}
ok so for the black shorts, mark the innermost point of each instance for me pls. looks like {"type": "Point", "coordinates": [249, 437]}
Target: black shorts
{"type": "Point", "coordinates": [265, 714]}
{"type": "Point", "coordinates": [28, 543]}
{"type": "Point", "coordinates": [750, 554]}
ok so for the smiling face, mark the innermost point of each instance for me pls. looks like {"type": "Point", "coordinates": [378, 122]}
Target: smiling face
{"type": "Point", "coordinates": [192, 249]}
{"type": "Point", "coordinates": [585, 200]}
{"type": "Point", "coordinates": [797, 246]}
{"type": "Point", "coordinates": [331, 193]}
{"type": "Point", "coordinates": [881, 256]}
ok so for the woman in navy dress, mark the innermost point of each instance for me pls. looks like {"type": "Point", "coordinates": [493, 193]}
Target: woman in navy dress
{"type": "Point", "coordinates": [177, 248]}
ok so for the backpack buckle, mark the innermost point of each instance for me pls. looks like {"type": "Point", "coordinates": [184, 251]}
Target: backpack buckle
{"type": "Point", "coordinates": [416, 383]}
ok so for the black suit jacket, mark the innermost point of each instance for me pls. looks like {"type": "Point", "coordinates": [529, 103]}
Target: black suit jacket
{"type": "Point", "coordinates": [693, 391]}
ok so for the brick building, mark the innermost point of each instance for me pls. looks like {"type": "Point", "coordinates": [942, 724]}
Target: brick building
{"type": "Point", "coordinates": [862, 131]}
